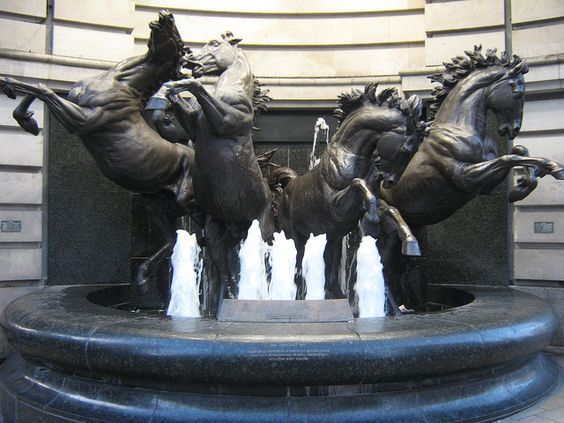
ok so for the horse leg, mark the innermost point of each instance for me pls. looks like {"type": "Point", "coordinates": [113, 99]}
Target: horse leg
{"type": "Point", "coordinates": [220, 245]}
{"type": "Point", "coordinates": [474, 177]}
{"type": "Point", "coordinates": [332, 258]}
{"type": "Point", "coordinates": [151, 287]}
{"type": "Point", "coordinates": [71, 115]}
{"type": "Point", "coordinates": [186, 113]}
{"type": "Point", "coordinates": [298, 279]}
{"type": "Point", "coordinates": [525, 184]}
{"type": "Point", "coordinates": [409, 244]}
{"type": "Point", "coordinates": [24, 117]}
{"type": "Point", "coordinates": [224, 118]}
{"type": "Point", "coordinates": [394, 265]}
{"type": "Point", "coordinates": [348, 200]}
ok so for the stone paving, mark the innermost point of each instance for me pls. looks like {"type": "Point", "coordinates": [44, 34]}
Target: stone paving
{"type": "Point", "coordinates": [551, 409]}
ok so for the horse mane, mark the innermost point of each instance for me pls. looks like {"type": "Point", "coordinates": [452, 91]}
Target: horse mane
{"type": "Point", "coordinates": [260, 100]}
{"type": "Point", "coordinates": [388, 97]}
{"type": "Point", "coordinates": [460, 67]}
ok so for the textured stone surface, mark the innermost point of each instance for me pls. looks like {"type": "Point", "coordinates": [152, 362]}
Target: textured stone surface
{"type": "Point", "coordinates": [89, 220]}
{"type": "Point", "coordinates": [484, 352]}
{"type": "Point", "coordinates": [554, 297]}
{"type": "Point", "coordinates": [471, 246]}
{"type": "Point", "coordinates": [6, 297]}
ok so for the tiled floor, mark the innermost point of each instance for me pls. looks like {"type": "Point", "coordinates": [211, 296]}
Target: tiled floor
{"type": "Point", "coordinates": [551, 409]}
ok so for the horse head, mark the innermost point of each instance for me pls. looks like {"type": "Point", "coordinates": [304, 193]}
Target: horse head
{"type": "Point", "coordinates": [165, 43]}
{"type": "Point", "coordinates": [397, 147]}
{"type": "Point", "coordinates": [505, 97]}
{"type": "Point", "coordinates": [161, 63]}
{"type": "Point", "coordinates": [396, 131]}
{"type": "Point", "coordinates": [499, 80]}
{"type": "Point", "coordinates": [215, 57]}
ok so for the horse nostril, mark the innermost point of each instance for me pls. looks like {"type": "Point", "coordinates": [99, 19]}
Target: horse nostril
{"type": "Point", "coordinates": [517, 129]}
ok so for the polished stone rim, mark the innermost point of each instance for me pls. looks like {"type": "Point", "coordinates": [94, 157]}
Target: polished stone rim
{"type": "Point", "coordinates": [84, 362]}
{"type": "Point", "coordinates": [58, 326]}
{"type": "Point", "coordinates": [36, 392]}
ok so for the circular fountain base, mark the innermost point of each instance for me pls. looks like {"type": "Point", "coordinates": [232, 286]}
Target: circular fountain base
{"type": "Point", "coordinates": [81, 361]}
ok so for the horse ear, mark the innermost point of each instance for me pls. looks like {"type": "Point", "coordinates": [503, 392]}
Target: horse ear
{"type": "Point", "coordinates": [370, 90]}
{"type": "Point", "coordinates": [415, 106]}
{"type": "Point", "coordinates": [228, 36]}
{"type": "Point", "coordinates": [518, 66]}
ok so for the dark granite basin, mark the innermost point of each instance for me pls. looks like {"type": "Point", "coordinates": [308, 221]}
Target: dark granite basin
{"type": "Point", "coordinates": [80, 356]}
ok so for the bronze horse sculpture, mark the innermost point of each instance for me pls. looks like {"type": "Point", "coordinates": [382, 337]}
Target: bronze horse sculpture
{"type": "Point", "coordinates": [229, 187]}
{"type": "Point", "coordinates": [459, 159]}
{"type": "Point", "coordinates": [105, 111]}
{"type": "Point", "coordinates": [335, 195]}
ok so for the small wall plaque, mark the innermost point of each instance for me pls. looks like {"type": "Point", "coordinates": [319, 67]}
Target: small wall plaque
{"type": "Point", "coordinates": [11, 226]}
{"type": "Point", "coordinates": [544, 227]}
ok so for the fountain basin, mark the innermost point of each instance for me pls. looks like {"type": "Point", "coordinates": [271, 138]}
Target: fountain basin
{"type": "Point", "coordinates": [80, 359]}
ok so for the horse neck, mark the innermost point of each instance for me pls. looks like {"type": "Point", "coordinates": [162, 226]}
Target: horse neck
{"type": "Point", "coordinates": [464, 108]}
{"type": "Point", "coordinates": [237, 77]}
{"type": "Point", "coordinates": [360, 131]}
{"type": "Point", "coordinates": [139, 73]}
{"type": "Point", "coordinates": [352, 147]}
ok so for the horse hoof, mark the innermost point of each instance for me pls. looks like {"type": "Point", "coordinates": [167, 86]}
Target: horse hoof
{"type": "Point", "coordinates": [6, 89]}
{"type": "Point", "coordinates": [521, 191]}
{"type": "Point", "coordinates": [232, 292]}
{"type": "Point", "coordinates": [558, 174]}
{"type": "Point", "coordinates": [27, 123]}
{"type": "Point", "coordinates": [410, 248]}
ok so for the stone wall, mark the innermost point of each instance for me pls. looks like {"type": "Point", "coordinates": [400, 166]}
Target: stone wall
{"type": "Point", "coordinates": [306, 53]}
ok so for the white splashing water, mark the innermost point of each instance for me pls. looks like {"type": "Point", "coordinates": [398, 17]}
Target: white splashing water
{"type": "Point", "coordinates": [321, 129]}
{"type": "Point", "coordinates": [253, 284]}
{"type": "Point", "coordinates": [369, 287]}
{"type": "Point", "coordinates": [313, 267]}
{"type": "Point", "coordinates": [282, 260]}
{"type": "Point", "coordinates": [186, 276]}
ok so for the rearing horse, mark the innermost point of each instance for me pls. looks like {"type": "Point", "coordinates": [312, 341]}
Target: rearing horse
{"type": "Point", "coordinates": [228, 184]}
{"type": "Point", "coordinates": [335, 195]}
{"type": "Point", "coordinates": [105, 111]}
{"type": "Point", "coordinates": [458, 161]}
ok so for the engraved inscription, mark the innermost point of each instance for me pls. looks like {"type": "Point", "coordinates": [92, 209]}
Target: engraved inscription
{"type": "Point", "coordinates": [544, 227]}
{"type": "Point", "coordinates": [11, 226]}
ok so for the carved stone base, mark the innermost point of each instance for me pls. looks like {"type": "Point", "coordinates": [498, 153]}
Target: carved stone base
{"type": "Point", "coordinates": [81, 361]}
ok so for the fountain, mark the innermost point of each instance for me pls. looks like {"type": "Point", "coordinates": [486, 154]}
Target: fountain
{"type": "Point", "coordinates": [313, 267]}
{"type": "Point", "coordinates": [83, 355]}
{"type": "Point", "coordinates": [186, 277]}
{"type": "Point", "coordinates": [282, 260]}
{"type": "Point", "coordinates": [369, 280]}
{"type": "Point", "coordinates": [320, 133]}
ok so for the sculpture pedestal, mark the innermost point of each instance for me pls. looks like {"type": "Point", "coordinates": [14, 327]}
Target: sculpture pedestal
{"type": "Point", "coordinates": [312, 311]}
{"type": "Point", "coordinates": [82, 361]}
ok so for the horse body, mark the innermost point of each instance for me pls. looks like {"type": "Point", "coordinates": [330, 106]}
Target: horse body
{"type": "Point", "coordinates": [335, 195]}
{"type": "Point", "coordinates": [459, 159]}
{"type": "Point", "coordinates": [229, 188]}
{"type": "Point", "coordinates": [105, 111]}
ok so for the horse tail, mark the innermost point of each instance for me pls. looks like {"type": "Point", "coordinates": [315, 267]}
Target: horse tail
{"type": "Point", "coordinates": [277, 177]}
